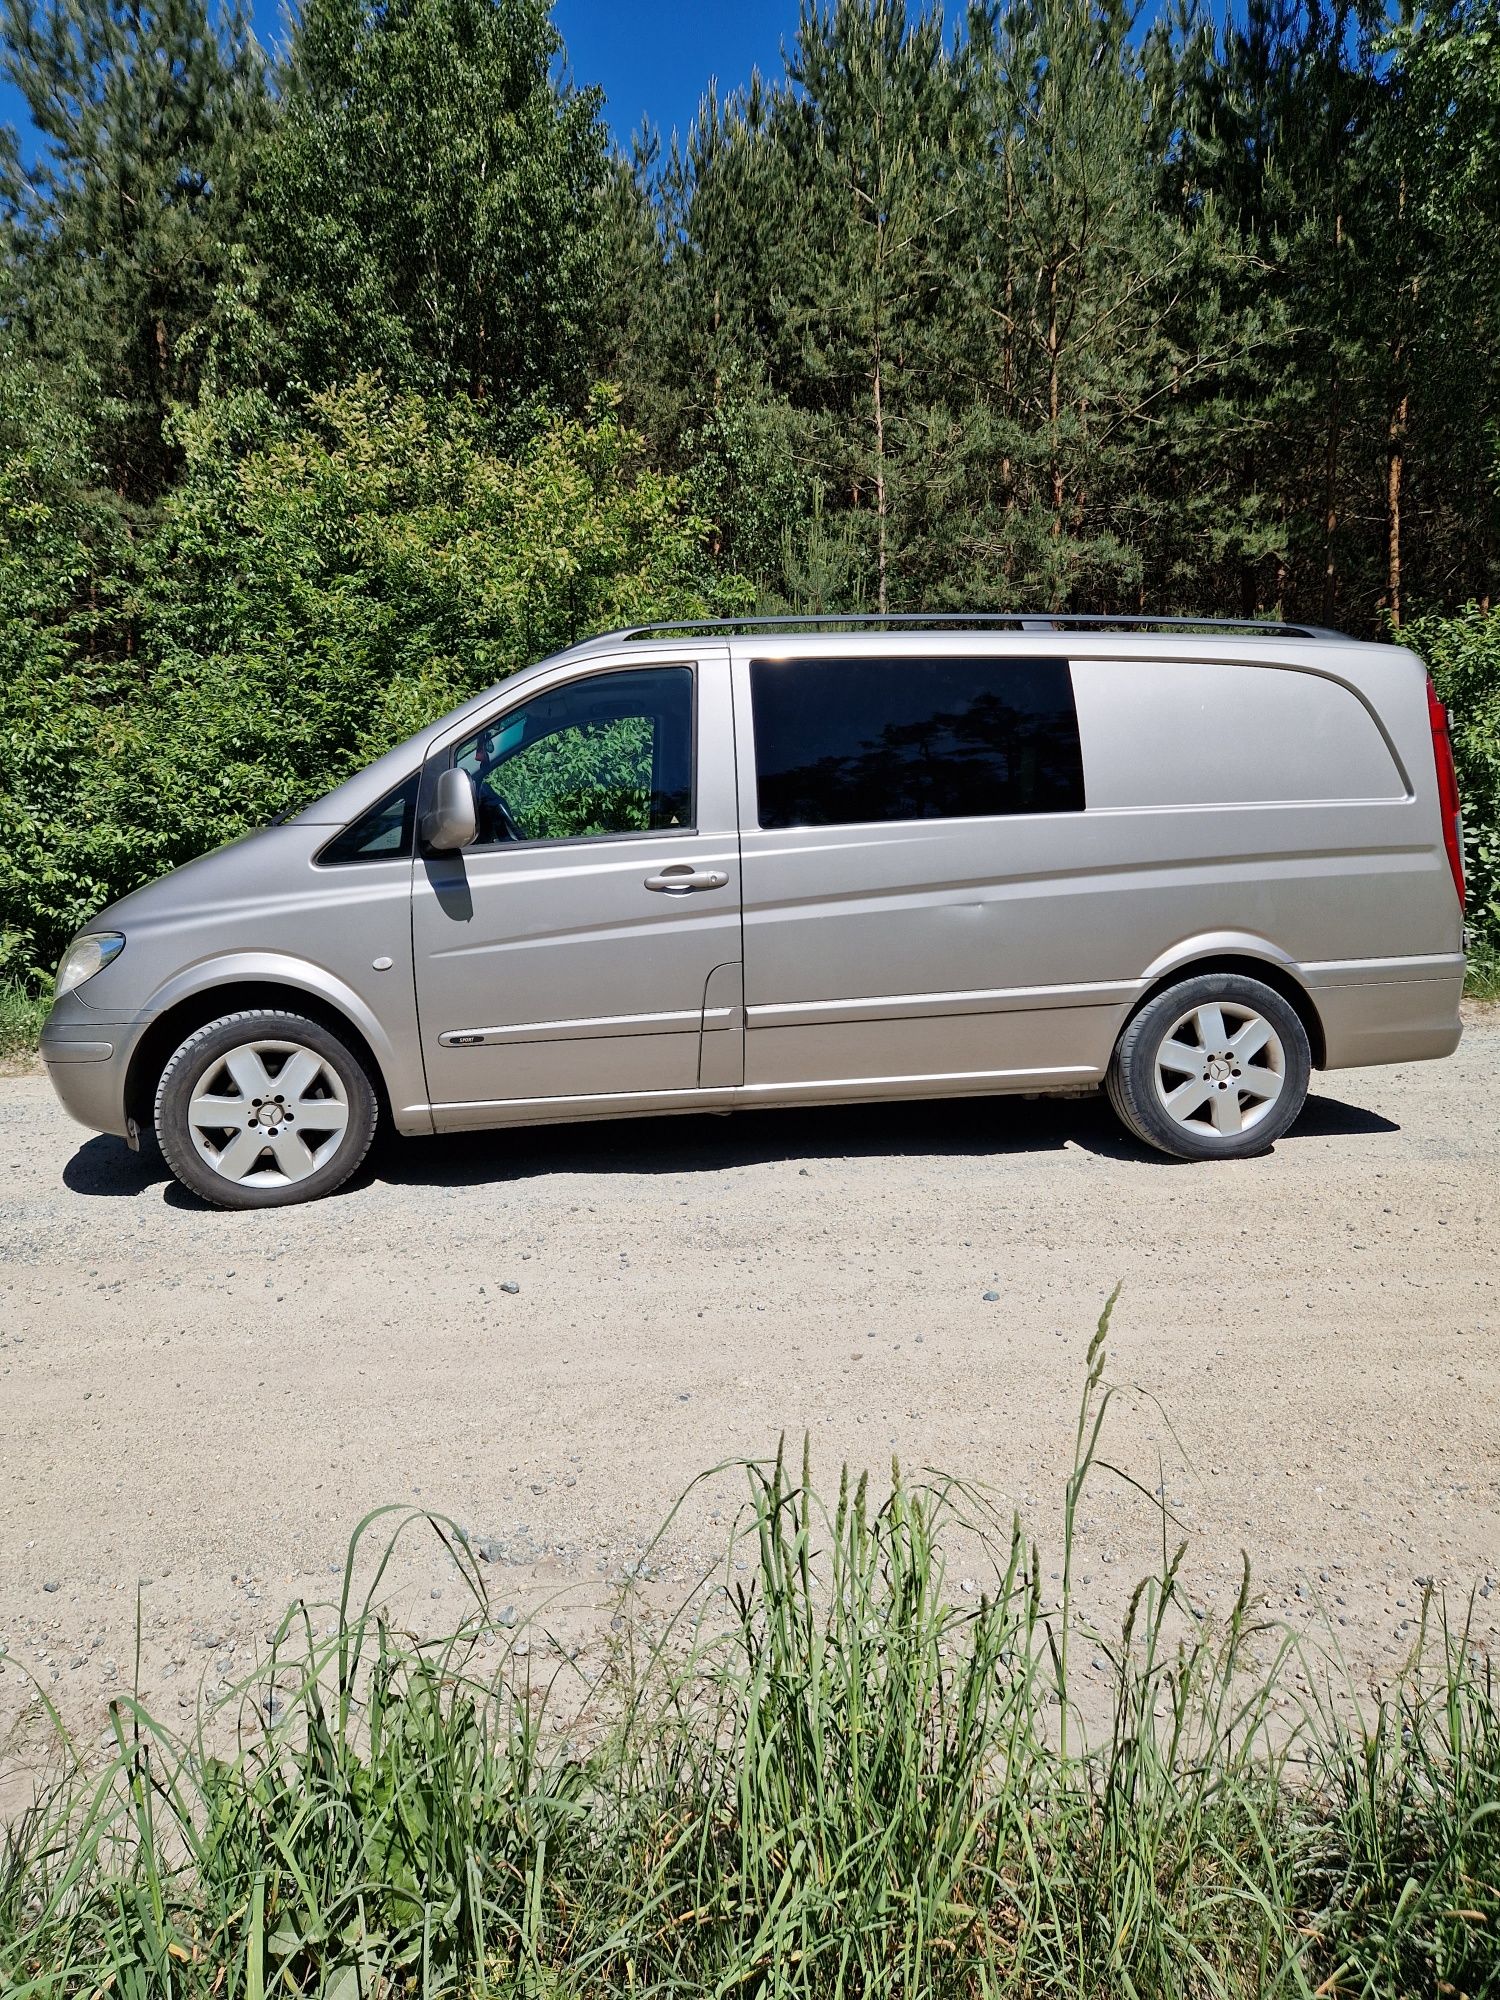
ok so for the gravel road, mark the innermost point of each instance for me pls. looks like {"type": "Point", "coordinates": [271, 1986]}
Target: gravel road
{"type": "Point", "coordinates": [547, 1335]}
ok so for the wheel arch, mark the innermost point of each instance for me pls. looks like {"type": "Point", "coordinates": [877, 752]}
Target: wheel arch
{"type": "Point", "coordinates": [195, 1009]}
{"type": "Point", "coordinates": [1269, 968]}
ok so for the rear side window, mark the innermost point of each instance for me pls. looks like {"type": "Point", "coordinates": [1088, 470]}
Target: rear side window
{"type": "Point", "coordinates": [839, 742]}
{"type": "Point", "coordinates": [384, 834]}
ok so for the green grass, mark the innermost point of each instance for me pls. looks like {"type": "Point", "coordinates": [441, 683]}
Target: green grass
{"type": "Point", "coordinates": [21, 1016]}
{"type": "Point", "coordinates": [1483, 978]}
{"type": "Point", "coordinates": [842, 1778]}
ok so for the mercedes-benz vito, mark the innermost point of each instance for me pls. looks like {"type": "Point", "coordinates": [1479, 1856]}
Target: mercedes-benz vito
{"type": "Point", "coordinates": [782, 862]}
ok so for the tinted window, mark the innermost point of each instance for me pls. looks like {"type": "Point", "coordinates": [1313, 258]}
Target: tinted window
{"type": "Point", "coordinates": [384, 834]}
{"type": "Point", "coordinates": [839, 741]}
{"type": "Point", "coordinates": [609, 754]}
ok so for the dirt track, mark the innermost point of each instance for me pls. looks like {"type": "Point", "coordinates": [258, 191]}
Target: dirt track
{"type": "Point", "coordinates": [210, 1402]}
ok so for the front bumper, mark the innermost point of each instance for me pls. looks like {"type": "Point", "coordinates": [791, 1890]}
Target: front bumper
{"type": "Point", "coordinates": [88, 1060]}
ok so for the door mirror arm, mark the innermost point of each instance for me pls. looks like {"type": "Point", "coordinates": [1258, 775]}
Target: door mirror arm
{"type": "Point", "coordinates": [453, 820]}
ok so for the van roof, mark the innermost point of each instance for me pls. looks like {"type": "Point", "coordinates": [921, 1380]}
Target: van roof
{"type": "Point", "coordinates": [829, 624]}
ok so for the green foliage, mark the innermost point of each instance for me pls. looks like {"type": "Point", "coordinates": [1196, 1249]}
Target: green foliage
{"type": "Point", "coordinates": [1463, 656]}
{"type": "Point", "coordinates": [386, 561]}
{"type": "Point", "coordinates": [300, 429]}
{"type": "Point", "coordinates": [831, 1774]}
{"type": "Point", "coordinates": [124, 227]}
{"type": "Point", "coordinates": [22, 1014]}
{"type": "Point", "coordinates": [1053, 313]}
{"type": "Point", "coordinates": [54, 660]}
{"type": "Point", "coordinates": [305, 604]}
{"type": "Point", "coordinates": [427, 202]}
{"type": "Point", "coordinates": [582, 781]}
{"type": "Point", "coordinates": [1483, 980]}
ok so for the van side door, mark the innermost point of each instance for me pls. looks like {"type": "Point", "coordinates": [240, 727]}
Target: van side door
{"type": "Point", "coordinates": [564, 960]}
{"type": "Point", "coordinates": [906, 817]}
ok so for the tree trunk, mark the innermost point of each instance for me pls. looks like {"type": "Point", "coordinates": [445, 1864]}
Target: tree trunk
{"type": "Point", "coordinates": [1331, 456]}
{"type": "Point", "coordinates": [1395, 451]}
{"type": "Point", "coordinates": [1081, 495]}
{"type": "Point", "coordinates": [880, 584]}
{"type": "Point", "coordinates": [1008, 340]}
{"type": "Point", "coordinates": [1394, 468]}
{"type": "Point", "coordinates": [1054, 405]}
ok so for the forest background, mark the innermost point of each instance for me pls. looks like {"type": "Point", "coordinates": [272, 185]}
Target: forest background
{"type": "Point", "coordinates": [336, 384]}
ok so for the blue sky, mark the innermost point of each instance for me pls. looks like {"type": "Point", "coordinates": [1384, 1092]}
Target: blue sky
{"type": "Point", "coordinates": [655, 57]}
{"type": "Point", "coordinates": [652, 57]}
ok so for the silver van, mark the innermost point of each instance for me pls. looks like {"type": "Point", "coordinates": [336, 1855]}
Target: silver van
{"type": "Point", "coordinates": [779, 862]}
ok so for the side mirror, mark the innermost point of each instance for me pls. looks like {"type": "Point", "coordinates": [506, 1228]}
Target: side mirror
{"type": "Point", "coordinates": [454, 818]}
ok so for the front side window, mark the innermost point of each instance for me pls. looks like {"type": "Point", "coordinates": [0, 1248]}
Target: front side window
{"type": "Point", "coordinates": [384, 833]}
{"type": "Point", "coordinates": [612, 754]}
{"type": "Point", "coordinates": [844, 742]}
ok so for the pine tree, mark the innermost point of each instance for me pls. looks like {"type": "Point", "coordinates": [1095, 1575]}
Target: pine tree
{"type": "Point", "coordinates": [429, 205]}
{"type": "Point", "coordinates": [1435, 309]}
{"type": "Point", "coordinates": [868, 139]}
{"type": "Point", "coordinates": [805, 227]}
{"type": "Point", "coordinates": [122, 230]}
{"type": "Point", "coordinates": [1077, 273]}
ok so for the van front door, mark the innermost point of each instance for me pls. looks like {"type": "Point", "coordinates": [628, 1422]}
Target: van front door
{"type": "Point", "coordinates": [570, 955]}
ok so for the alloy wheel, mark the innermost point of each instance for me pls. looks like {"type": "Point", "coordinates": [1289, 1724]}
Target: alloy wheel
{"type": "Point", "coordinates": [1220, 1069]}
{"type": "Point", "coordinates": [268, 1113]}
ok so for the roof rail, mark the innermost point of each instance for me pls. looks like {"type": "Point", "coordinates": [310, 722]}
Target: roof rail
{"type": "Point", "coordinates": [1023, 621]}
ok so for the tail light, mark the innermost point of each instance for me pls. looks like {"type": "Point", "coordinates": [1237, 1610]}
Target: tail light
{"type": "Point", "coordinates": [1447, 784]}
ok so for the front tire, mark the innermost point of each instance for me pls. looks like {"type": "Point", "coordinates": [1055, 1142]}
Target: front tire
{"type": "Point", "coordinates": [1213, 1068]}
{"type": "Point", "coordinates": [264, 1108]}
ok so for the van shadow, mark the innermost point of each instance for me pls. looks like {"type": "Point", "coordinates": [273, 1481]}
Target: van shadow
{"type": "Point", "coordinates": [106, 1166]}
{"type": "Point", "coordinates": [974, 1127]}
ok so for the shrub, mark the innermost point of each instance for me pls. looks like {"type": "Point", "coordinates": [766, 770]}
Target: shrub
{"type": "Point", "coordinates": [307, 602]}
{"type": "Point", "coordinates": [1463, 655]}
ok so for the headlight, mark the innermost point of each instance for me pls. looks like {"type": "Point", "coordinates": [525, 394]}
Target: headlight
{"type": "Point", "coordinates": [85, 956]}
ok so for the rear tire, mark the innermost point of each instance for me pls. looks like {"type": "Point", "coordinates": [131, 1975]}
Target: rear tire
{"type": "Point", "coordinates": [1213, 1068]}
{"type": "Point", "coordinates": [264, 1108]}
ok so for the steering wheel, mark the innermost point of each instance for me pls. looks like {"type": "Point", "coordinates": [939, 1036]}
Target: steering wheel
{"type": "Point", "coordinates": [495, 809]}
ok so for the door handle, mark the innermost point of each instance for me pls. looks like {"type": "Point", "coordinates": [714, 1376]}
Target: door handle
{"type": "Point", "coordinates": [682, 876]}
